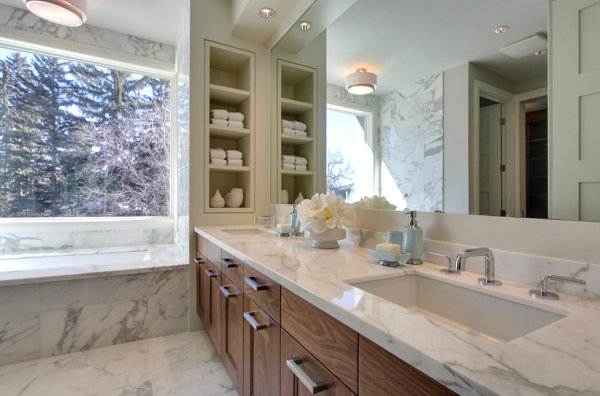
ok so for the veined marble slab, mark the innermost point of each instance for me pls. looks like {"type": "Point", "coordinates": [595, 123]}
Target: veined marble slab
{"type": "Point", "coordinates": [36, 268]}
{"type": "Point", "coordinates": [562, 358]}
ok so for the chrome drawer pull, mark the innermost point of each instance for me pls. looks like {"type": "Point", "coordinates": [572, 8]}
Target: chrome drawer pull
{"type": "Point", "coordinates": [210, 273]}
{"type": "Point", "coordinates": [226, 292]}
{"type": "Point", "coordinates": [251, 281]}
{"type": "Point", "coordinates": [228, 263]}
{"type": "Point", "coordinates": [199, 260]}
{"type": "Point", "coordinates": [249, 316]}
{"type": "Point", "coordinates": [312, 386]}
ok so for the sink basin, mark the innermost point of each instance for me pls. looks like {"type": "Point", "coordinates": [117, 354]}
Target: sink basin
{"type": "Point", "coordinates": [476, 313]}
{"type": "Point", "coordinates": [246, 231]}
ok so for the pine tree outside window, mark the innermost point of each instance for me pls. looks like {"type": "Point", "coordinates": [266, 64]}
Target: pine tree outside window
{"type": "Point", "coordinates": [82, 140]}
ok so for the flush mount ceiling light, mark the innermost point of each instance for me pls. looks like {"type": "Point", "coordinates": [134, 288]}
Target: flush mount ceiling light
{"type": "Point", "coordinates": [266, 12]}
{"type": "Point", "coordinates": [304, 26]}
{"type": "Point", "coordinates": [526, 47]}
{"type": "Point", "coordinates": [63, 12]}
{"type": "Point", "coordinates": [540, 52]}
{"type": "Point", "coordinates": [501, 29]}
{"type": "Point", "coordinates": [361, 82]}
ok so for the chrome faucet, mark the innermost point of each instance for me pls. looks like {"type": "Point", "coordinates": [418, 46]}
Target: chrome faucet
{"type": "Point", "coordinates": [451, 269]}
{"type": "Point", "coordinates": [461, 261]}
{"type": "Point", "coordinates": [269, 220]}
{"type": "Point", "coordinates": [542, 291]}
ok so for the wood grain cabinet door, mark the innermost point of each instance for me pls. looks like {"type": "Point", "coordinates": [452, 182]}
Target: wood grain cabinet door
{"type": "Point", "coordinates": [302, 374]}
{"type": "Point", "coordinates": [232, 328]}
{"type": "Point", "coordinates": [261, 352]}
{"type": "Point", "coordinates": [381, 373]}
{"type": "Point", "coordinates": [202, 287]}
{"type": "Point", "coordinates": [213, 317]}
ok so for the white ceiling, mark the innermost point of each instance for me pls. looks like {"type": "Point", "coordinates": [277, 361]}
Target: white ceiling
{"type": "Point", "coordinates": [158, 20]}
{"type": "Point", "coordinates": [403, 41]}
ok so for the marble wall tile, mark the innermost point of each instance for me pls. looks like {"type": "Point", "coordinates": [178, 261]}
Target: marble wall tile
{"type": "Point", "coordinates": [23, 20]}
{"type": "Point", "coordinates": [48, 319]}
{"type": "Point", "coordinates": [411, 141]}
{"type": "Point", "coordinates": [19, 338]}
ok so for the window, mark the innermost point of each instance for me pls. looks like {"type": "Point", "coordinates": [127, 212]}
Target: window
{"type": "Point", "coordinates": [81, 139]}
{"type": "Point", "coordinates": [351, 160]}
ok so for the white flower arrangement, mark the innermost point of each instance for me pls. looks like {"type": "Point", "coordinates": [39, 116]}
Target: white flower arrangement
{"type": "Point", "coordinates": [374, 202]}
{"type": "Point", "coordinates": [325, 212]}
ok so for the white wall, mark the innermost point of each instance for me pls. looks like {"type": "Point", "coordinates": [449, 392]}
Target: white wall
{"type": "Point", "coordinates": [456, 140]}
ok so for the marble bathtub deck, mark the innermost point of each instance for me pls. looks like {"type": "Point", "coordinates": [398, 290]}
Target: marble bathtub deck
{"type": "Point", "coordinates": [181, 364]}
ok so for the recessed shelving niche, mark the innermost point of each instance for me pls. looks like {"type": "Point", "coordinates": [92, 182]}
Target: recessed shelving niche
{"type": "Point", "coordinates": [296, 101]}
{"type": "Point", "coordinates": [230, 85]}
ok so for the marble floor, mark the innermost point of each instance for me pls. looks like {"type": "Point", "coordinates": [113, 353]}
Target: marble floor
{"type": "Point", "coordinates": [180, 364]}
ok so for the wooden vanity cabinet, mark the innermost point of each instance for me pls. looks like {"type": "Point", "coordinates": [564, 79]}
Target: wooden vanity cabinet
{"type": "Point", "coordinates": [232, 331]}
{"type": "Point", "coordinates": [213, 322]}
{"type": "Point", "coordinates": [302, 374]}
{"type": "Point", "coordinates": [202, 286]}
{"type": "Point", "coordinates": [261, 352]}
{"type": "Point", "coordinates": [330, 341]}
{"type": "Point", "coordinates": [379, 371]}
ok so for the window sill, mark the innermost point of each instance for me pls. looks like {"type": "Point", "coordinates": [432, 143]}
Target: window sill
{"type": "Point", "coordinates": [67, 265]}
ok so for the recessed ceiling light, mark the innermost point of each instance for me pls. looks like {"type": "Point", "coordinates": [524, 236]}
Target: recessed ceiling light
{"type": "Point", "coordinates": [540, 52]}
{"type": "Point", "coordinates": [304, 26]}
{"type": "Point", "coordinates": [501, 29]}
{"type": "Point", "coordinates": [266, 12]}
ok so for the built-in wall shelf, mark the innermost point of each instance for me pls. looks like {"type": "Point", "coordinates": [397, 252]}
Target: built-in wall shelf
{"type": "Point", "coordinates": [220, 94]}
{"type": "Point", "coordinates": [293, 140]}
{"type": "Point", "coordinates": [294, 107]}
{"type": "Point", "coordinates": [296, 101]}
{"type": "Point", "coordinates": [230, 85]}
{"type": "Point", "coordinates": [228, 169]}
{"type": "Point", "coordinates": [289, 172]}
{"type": "Point", "coordinates": [222, 131]}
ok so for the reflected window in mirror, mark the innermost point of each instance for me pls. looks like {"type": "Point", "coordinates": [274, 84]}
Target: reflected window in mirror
{"type": "Point", "coordinates": [351, 160]}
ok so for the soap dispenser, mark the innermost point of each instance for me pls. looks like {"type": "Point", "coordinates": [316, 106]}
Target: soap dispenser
{"type": "Point", "coordinates": [412, 239]}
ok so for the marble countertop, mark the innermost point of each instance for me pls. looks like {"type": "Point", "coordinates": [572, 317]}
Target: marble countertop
{"type": "Point", "coordinates": [560, 358]}
{"type": "Point", "coordinates": [64, 265]}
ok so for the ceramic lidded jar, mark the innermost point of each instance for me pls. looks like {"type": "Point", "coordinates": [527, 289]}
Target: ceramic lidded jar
{"type": "Point", "coordinates": [217, 201]}
{"type": "Point", "coordinates": [234, 198]}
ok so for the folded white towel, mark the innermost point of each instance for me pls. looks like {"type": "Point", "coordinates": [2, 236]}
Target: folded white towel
{"type": "Point", "coordinates": [299, 126]}
{"type": "Point", "coordinates": [301, 161]}
{"type": "Point", "coordinates": [235, 116]}
{"type": "Point", "coordinates": [234, 162]}
{"type": "Point", "coordinates": [301, 167]}
{"type": "Point", "coordinates": [288, 131]}
{"type": "Point", "coordinates": [287, 166]}
{"type": "Point", "coordinates": [234, 154]}
{"type": "Point", "coordinates": [300, 133]}
{"type": "Point", "coordinates": [219, 113]}
{"type": "Point", "coordinates": [217, 153]}
{"type": "Point", "coordinates": [220, 162]}
{"type": "Point", "coordinates": [236, 124]}
{"type": "Point", "coordinates": [287, 124]}
{"type": "Point", "coordinates": [218, 121]}
{"type": "Point", "coordinates": [290, 159]}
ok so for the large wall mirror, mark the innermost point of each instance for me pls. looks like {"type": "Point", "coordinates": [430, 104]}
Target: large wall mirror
{"type": "Point", "coordinates": [460, 120]}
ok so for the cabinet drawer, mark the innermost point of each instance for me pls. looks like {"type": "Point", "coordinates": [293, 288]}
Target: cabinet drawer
{"type": "Point", "coordinates": [381, 371]}
{"type": "Point", "coordinates": [331, 342]}
{"type": "Point", "coordinates": [261, 352]}
{"type": "Point", "coordinates": [232, 268]}
{"type": "Point", "coordinates": [232, 327]}
{"type": "Point", "coordinates": [263, 291]}
{"type": "Point", "coordinates": [202, 287]}
{"type": "Point", "coordinates": [213, 317]}
{"type": "Point", "coordinates": [302, 374]}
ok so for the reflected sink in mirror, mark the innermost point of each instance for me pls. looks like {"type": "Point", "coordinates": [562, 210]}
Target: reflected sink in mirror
{"type": "Point", "coordinates": [477, 313]}
{"type": "Point", "coordinates": [246, 231]}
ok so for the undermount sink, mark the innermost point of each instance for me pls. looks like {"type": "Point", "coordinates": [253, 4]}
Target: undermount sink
{"type": "Point", "coordinates": [476, 313]}
{"type": "Point", "coordinates": [245, 231]}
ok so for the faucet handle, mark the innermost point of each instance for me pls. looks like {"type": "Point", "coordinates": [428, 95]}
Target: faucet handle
{"type": "Point", "coordinates": [543, 293]}
{"type": "Point", "coordinates": [451, 270]}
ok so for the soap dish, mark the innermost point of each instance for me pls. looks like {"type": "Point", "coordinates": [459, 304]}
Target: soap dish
{"type": "Point", "coordinates": [389, 259]}
{"type": "Point", "coordinates": [283, 232]}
